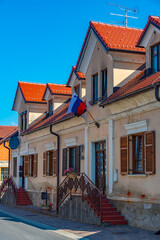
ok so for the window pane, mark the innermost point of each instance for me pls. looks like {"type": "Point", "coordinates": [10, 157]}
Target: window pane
{"type": "Point", "coordinates": [139, 154]}
{"type": "Point", "coordinates": [154, 59]}
{"type": "Point", "coordinates": [4, 173]}
{"type": "Point", "coordinates": [95, 87]}
{"type": "Point", "coordinates": [104, 83]}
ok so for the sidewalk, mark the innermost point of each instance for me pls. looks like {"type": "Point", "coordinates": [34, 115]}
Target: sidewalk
{"type": "Point", "coordinates": [82, 230]}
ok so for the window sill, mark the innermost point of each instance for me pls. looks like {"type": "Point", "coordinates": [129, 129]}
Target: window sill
{"type": "Point", "coordinates": [137, 175]}
{"type": "Point", "coordinates": [92, 102]}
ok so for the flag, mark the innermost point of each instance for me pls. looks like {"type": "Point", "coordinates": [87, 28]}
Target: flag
{"type": "Point", "coordinates": [76, 106]}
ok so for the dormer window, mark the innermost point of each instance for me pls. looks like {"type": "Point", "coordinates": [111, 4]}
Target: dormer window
{"type": "Point", "coordinates": [50, 107]}
{"type": "Point", "coordinates": [95, 88]}
{"type": "Point", "coordinates": [23, 121]}
{"type": "Point", "coordinates": [77, 90]}
{"type": "Point", "coordinates": [155, 58]}
{"type": "Point", "coordinates": [104, 83]}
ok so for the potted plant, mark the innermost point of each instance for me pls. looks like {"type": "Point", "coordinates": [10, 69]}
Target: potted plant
{"type": "Point", "coordinates": [70, 172]}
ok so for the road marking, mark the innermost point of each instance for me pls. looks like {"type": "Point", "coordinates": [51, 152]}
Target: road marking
{"type": "Point", "coordinates": [45, 226]}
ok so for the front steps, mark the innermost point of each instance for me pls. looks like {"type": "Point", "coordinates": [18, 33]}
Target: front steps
{"type": "Point", "coordinates": [110, 214]}
{"type": "Point", "coordinates": [22, 198]}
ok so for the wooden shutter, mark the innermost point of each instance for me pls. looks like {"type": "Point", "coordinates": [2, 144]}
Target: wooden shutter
{"type": "Point", "coordinates": [26, 166]}
{"type": "Point", "coordinates": [44, 163]}
{"type": "Point", "coordinates": [35, 165]}
{"type": "Point", "coordinates": [124, 153]}
{"type": "Point", "coordinates": [77, 160]}
{"type": "Point", "coordinates": [150, 152]}
{"type": "Point", "coordinates": [55, 162]}
{"type": "Point", "coordinates": [64, 164]}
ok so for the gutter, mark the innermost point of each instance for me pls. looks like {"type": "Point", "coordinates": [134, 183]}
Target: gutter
{"type": "Point", "coordinates": [42, 127]}
{"type": "Point", "coordinates": [9, 152]}
{"type": "Point", "coordinates": [127, 95]}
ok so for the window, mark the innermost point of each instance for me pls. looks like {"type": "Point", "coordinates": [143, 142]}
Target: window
{"type": "Point", "coordinates": [77, 90]}
{"type": "Point", "coordinates": [23, 121]}
{"type": "Point", "coordinates": [155, 58]}
{"type": "Point", "coordinates": [137, 153]}
{"type": "Point", "coordinates": [95, 88]}
{"type": "Point", "coordinates": [50, 107]}
{"type": "Point", "coordinates": [4, 173]}
{"type": "Point", "coordinates": [50, 163]}
{"type": "Point", "coordinates": [71, 159]}
{"type": "Point", "coordinates": [31, 165]}
{"type": "Point", "coordinates": [104, 83]}
{"type": "Point", "coordinates": [14, 167]}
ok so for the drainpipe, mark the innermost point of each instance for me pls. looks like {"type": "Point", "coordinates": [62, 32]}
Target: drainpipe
{"type": "Point", "coordinates": [157, 92]}
{"type": "Point", "coordinates": [58, 150]}
{"type": "Point", "coordinates": [9, 152]}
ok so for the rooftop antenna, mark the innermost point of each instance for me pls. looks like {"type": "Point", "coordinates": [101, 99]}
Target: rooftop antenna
{"type": "Point", "coordinates": [126, 9]}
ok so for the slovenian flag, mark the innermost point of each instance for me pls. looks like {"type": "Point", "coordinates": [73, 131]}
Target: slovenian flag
{"type": "Point", "coordinates": [76, 106]}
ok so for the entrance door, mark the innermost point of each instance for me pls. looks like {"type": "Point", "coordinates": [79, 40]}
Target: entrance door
{"type": "Point", "coordinates": [23, 178]}
{"type": "Point", "coordinates": [100, 152]}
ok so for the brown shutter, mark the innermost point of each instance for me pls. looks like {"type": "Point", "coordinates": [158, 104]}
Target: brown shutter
{"type": "Point", "coordinates": [44, 163]}
{"type": "Point", "coordinates": [124, 153]}
{"type": "Point", "coordinates": [26, 166]}
{"type": "Point", "coordinates": [77, 160]}
{"type": "Point", "coordinates": [55, 162]}
{"type": "Point", "coordinates": [64, 165]}
{"type": "Point", "coordinates": [150, 152]}
{"type": "Point", "coordinates": [35, 166]}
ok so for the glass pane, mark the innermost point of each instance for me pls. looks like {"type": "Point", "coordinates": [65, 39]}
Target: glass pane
{"type": "Point", "coordinates": [95, 87]}
{"type": "Point", "coordinates": [104, 83]}
{"type": "Point", "coordinates": [154, 59]}
{"type": "Point", "coordinates": [73, 157]}
{"type": "Point", "coordinates": [158, 57]}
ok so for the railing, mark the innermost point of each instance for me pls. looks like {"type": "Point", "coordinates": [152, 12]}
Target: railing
{"type": "Point", "coordinates": [8, 183]}
{"type": "Point", "coordinates": [3, 187]}
{"type": "Point", "coordinates": [83, 186]}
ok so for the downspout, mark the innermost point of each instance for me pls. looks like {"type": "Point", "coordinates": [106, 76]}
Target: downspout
{"type": "Point", "coordinates": [58, 150]}
{"type": "Point", "coordinates": [4, 143]}
{"type": "Point", "coordinates": [157, 92]}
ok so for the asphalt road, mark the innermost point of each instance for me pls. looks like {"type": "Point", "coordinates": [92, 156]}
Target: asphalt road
{"type": "Point", "coordinates": [15, 229]}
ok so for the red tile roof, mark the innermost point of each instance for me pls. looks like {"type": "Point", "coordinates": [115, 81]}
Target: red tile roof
{"type": "Point", "coordinates": [32, 92]}
{"type": "Point", "coordinates": [151, 19]}
{"type": "Point", "coordinates": [137, 84]}
{"type": "Point", "coordinates": [113, 38]}
{"type": "Point", "coordinates": [118, 37]}
{"type": "Point", "coordinates": [80, 75]}
{"type": "Point", "coordinates": [43, 122]}
{"type": "Point", "coordinates": [7, 130]}
{"type": "Point", "coordinates": [59, 89]}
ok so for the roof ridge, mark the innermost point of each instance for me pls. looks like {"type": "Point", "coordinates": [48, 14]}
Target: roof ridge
{"type": "Point", "coordinates": [113, 25]}
{"type": "Point", "coordinates": [57, 84]}
{"type": "Point", "coordinates": [32, 83]}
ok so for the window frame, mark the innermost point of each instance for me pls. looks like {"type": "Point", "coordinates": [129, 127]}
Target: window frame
{"type": "Point", "coordinates": [49, 163]}
{"type": "Point", "coordinates": [104, 93]}
{"type": "Point", "coordinates": [95, 88]}
{"type": "Point", "coordinates": [157, 45]}
{"type": "Point", "coordinates": [79, 92]}
{"type": "Point", "coordinates": [50, 107]}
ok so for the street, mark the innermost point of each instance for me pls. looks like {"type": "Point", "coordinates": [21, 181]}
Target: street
{"type": "Point", "coordinates": [12, 228]}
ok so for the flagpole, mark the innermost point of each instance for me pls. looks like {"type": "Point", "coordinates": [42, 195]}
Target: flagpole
{"type": "Point", "coordinates": [96, 123]}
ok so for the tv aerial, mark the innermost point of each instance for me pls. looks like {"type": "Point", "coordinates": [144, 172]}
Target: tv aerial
{"type": "Point", "coordinates": [126, 16]}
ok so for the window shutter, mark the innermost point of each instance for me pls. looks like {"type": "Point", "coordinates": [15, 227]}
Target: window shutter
{"type": "Point", "coordinates": [44, 163]}
{"type": "Point", "coordinates": [77, 160]}
{"type": "Point", "coordinates": [26, 166]}
{"type": "Point", "coordinates": [150, 152]}
{"type": "Point", "coordinates": [64, 166]}
{"type": "Point", "coordinates": [35, 166]}
{"type": "Point", "coordinates": [124, 153]}
{"type": "Point", "coordinates": [55, 162]}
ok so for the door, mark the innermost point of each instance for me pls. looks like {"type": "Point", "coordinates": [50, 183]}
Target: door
{"type": "Point", "coordinates": [23, 178]}
{"type": "Point", "coordinates": [100, 152]}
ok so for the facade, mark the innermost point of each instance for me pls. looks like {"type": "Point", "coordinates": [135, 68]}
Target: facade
{"type": "Point", "coordinates": [5, 131]}
{"type": "Point", "coordinates": [115, 75]}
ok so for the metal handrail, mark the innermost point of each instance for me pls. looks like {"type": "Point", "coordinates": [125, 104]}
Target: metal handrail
{"type": "Point", "coordinates": [88, 190]}
{"type": "Point", "coordinates": [8, 183]}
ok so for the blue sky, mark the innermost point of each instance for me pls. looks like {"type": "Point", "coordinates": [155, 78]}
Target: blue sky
{"type": "Point", "coordinates": [40, 40]}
